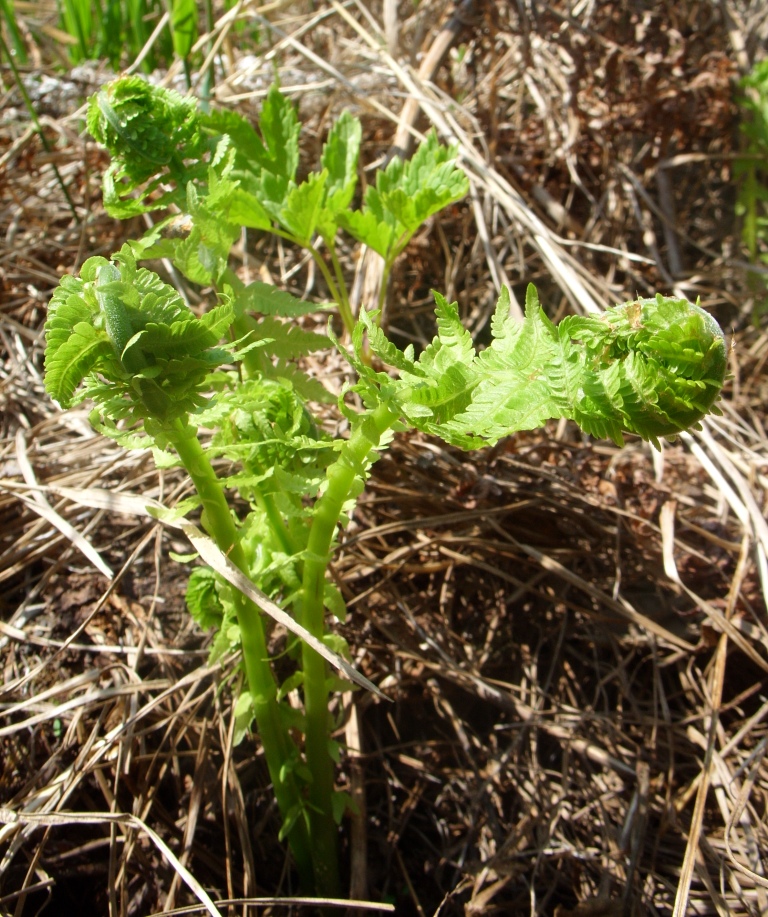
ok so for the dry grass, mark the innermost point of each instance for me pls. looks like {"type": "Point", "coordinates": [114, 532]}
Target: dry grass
{"type": "Point", "coordinates": [573, 635]}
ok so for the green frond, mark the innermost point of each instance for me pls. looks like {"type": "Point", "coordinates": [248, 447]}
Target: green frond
{"type": "Point", "coordinates": [144, 127]}
{"type": "Point", "coordinates": [339, 160]}
{"type": "Point", "coordinates": [306, 387]}
{"type": "Point", "coordinates": [267, 299]}
{"type": "Point", "coordinates": [202, 598]}
{"type": "Point", "coordinates": [132, 343]}
{"type": "Point", "coordinates": [288, 341]}
{"type": "Point", "coordinates": [280, 127]}
{"type": "Point", "coordinates": [453, 344]}
{"type": "Point", "coordinates": [652, 367]}
{"type": "Point", "coordinates": [384, 349]}
{"type": "Point", "coordinates": [406, 193]}
{"type": "Point", "coordinates": [67, 364]}
{"type": "Point", "coordinates": [73, 345]}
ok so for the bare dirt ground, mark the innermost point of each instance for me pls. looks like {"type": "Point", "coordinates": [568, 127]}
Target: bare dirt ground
{"type": "Point", "coordinates": [573, 635]}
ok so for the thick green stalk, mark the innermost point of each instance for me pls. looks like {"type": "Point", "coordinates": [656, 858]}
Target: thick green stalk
{"type": "Point", "coordinates": [341, 478]}
{"type": "Point", "coordinates": [279, 749]}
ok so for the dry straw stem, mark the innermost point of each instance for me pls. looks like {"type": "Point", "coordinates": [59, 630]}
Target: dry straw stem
{"type": "Point", "coordinates": [573, 635]}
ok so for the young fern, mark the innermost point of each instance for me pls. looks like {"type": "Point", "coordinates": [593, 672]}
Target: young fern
{"type": "Point", "coordinates": [152, 134]}
{"type": "Point", "coordinates": [652, 367]}
{"type": "Point", "coordinates": [156, 372]}
{"type": "Point", "coordinates": [224, 174]}
{"type": "Point", "coordinates": [121, 337]}
{"type": "Point", "coordinates": [151, 390]}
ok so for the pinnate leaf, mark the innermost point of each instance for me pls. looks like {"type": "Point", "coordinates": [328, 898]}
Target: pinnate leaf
{"type": "Point", "coordinates": [267, 299]}
{"type": "Point", "coordinates": [289, 341]}
{"type": "Point", "coordinates": [303, 205]}
{"type": "Point", "coordinates": [251, 152]}
{"type": "Point", "coordinates": [280, 128]}
{"type": "Point", "coordinates": [652, 367]}
{"type": "Point", "coordinates": [370, 228]}
{"type": "Point", "coordinates": [406, 194]}
{"type": "Point", "coordinates": [67, 364]}
{"type": "Point", "coordinates": [339, 160]}
{"type": "Point", "coordinates": [161, 372]}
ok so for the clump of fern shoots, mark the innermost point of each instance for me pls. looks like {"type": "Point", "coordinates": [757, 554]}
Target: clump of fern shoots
{"type": "Point", "coordinates": [225, 384]}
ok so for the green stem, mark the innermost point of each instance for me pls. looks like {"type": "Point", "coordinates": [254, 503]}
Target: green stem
{"type": "Point", "coordinates": [345, 309]}
{"type": "Point", "coordinates": [341, 478]}
{"type": "Point", "coordinates": [389, 263]}
{"type": "Point", "coordinates": [381, 304]}
{"type": "Point", "coordinates": [339, 293]}
{"type": "Point", "coordinates": [279, 749]}
{"type": "Point", "coordinates": [276, 522]}
{"type": "Point", "coordinates": [38, 126]}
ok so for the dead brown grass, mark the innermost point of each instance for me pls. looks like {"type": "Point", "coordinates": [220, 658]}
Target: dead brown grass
{"type": "Point", "coordinates": [573, 635]}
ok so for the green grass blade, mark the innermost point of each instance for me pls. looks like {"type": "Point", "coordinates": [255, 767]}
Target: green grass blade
{"type": "Point", "coordinates": [77, 21]}
{"type": "Point", "coordinates": [35, 120]}
{"type": "Point", "coordinates": [18, 48]}
{"type": "Point", "coordinates": [184, 26]}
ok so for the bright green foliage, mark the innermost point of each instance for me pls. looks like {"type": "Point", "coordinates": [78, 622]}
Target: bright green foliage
{"type": "Point", "coordinates": [652, 367]}
{"type": "Point", "coordinates": [339, 160]}
{"type": "Point", "coordinates": [406, 194]}
{"type": "Point", "coordinates": [225, 174]}
{"type": "Point", "coordinates": [279, 457]}
{"type": "Point", "coordinates": [138, 350]}
{"type": "Point", "coordinates": [112, 30]}
{"type": "Point", "coordinates": [150, 132]}
{"type": "Point", "coordinates": [203, 598]}
{"type": "Point", "coordinates": [157, 373]}
{"type": "Point", "coordinates": [184, 26]}
{"type": "Point", "coordinates": [116, 30]}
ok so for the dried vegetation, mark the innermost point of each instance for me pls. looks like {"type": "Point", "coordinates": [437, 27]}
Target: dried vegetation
{"type": "Point", "coordinates": [573, 635]}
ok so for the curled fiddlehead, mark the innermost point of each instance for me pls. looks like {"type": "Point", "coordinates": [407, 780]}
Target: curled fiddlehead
{"type": "Point", "coordinates": [652, 367]}
{"type": "Point", "coordinates": [143, 126]}
{"type": "Point", "coordinates": [153, 135]}
{"type": "Point", "coordinates": [122, 337]}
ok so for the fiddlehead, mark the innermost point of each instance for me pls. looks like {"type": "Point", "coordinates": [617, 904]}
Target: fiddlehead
{"type": "Point", "coordinates": [652, 367]}
{"type": "Point", "coordinates": [144, 127]}
{"type": "Point", "coordinates": [130, 343]}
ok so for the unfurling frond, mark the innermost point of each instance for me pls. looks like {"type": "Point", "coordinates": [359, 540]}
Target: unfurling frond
{"type": "Point", "coordinates": [652, 367]}
{"type": "Point", "coordinates": [144, 127]}
{"type": "Point", "coordinates": [131, 342]}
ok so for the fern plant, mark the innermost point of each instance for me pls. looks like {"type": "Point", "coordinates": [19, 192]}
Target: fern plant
{"type": "Point", "coordinates": [224, 175]}
{"type": "Point", "coordinates": [158, 375]}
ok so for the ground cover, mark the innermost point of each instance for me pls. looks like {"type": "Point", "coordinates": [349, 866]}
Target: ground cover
{"type": "Point", "coordinates": [572, 634]}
